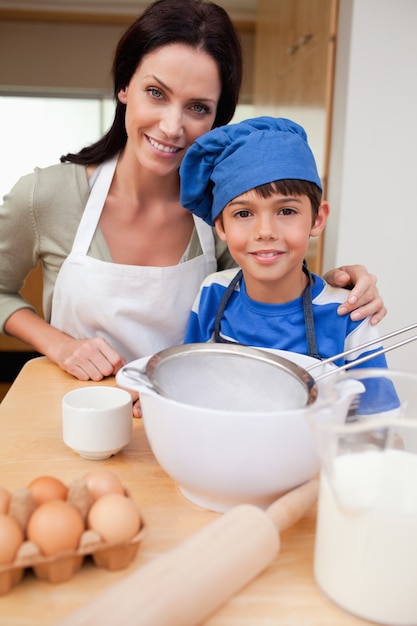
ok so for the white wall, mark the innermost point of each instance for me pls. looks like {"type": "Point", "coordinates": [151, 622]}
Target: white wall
{"type": "Point", "coordinates": [373, 169]}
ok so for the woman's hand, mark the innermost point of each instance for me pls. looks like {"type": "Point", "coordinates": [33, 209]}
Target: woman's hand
{"type": "Point", "coordinates": [364, 299]}
{"type": "Point", "coordinates": [88, 359]}
{"type": "Point", "coordinates": [94, 359]}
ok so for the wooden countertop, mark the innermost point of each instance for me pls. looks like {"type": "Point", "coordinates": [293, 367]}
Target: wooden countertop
{"type": "Point", "coordinates": [31, 445]}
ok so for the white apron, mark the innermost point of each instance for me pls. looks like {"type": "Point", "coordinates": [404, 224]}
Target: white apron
{"type": "Point", "coordinates": [138, 309]}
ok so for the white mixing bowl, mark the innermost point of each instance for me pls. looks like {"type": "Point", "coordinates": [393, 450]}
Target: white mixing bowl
{"type": "Point", "coordinates": [223, 458]}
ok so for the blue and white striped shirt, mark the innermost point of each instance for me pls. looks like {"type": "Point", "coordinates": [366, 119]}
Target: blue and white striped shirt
{"type": "Point", "coordinates": [280, 326]}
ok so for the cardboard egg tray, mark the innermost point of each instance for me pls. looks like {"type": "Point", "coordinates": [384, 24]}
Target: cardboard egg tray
{"type": "Point", "coordinates": [61, 567]}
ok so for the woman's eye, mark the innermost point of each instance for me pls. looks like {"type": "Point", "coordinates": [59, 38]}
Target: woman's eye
{"type": "Point", "coordinates": [200, 108]}
{"type": "Point", "coordinates": [154, 92]}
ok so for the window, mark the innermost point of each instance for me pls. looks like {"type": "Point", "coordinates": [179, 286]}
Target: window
{"type": "Point", "coordinates": [36, 131]}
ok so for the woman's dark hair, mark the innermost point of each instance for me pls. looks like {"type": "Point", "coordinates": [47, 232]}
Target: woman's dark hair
{"type": "Point", "coordinates": [196, 23]}
{"type": "Point", "coordinates": [290, 187]}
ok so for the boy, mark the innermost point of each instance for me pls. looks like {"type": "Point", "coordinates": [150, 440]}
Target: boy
{"type": "Point", "coordinates": [257, 183]}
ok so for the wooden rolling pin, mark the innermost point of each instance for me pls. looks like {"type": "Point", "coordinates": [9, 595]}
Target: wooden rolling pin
{"type": "Point", "coordinates": [183, 586]}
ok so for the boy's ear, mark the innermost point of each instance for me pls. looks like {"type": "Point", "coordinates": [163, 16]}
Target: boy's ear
{"type": "Point", "coordinates": [218, 223]}
{"type": "Point", "coordinates": [321, 219]}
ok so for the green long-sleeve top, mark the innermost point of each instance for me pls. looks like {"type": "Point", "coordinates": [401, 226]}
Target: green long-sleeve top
{"type": "Point", "coordinates": [38, 221]}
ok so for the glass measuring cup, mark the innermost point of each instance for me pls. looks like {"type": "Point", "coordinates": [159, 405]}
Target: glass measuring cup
{"type": "Point", "coordinates": [366, 539]}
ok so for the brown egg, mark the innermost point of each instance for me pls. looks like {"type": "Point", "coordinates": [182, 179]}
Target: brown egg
{"type": "Point", "coordinates": [11, 538]}
{"type": "Point", "coordinates": [55, 526]}
{"type": "Point", "coordinates": [101, 482]}
{"type": "Point", "coordinates": [114, 517]}
{"type": "Point", "coordinates": [46, 488]}
{"type": "Point", "coordinates": [5, 497]}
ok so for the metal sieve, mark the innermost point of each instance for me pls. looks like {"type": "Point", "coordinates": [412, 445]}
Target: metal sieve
{"type": "Point", "coordinates": [233, 377]}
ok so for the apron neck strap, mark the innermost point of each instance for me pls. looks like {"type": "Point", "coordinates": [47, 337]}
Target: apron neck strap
{"type": "Point", "coordinates": [95, 203]}
{"type": "Point", "coordinates": [222, 306]}
{"type": "Point", "coordinates": [308, 314]}
{"type": "Point", "coordinates": [205, 234]}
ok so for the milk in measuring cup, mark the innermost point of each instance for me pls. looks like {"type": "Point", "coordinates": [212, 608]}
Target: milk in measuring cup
{"type": "Point", "coordinates": [366, 541]}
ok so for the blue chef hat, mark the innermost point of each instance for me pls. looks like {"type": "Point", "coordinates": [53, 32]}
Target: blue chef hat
{"type": "Point", "coordinates": [232, 159]}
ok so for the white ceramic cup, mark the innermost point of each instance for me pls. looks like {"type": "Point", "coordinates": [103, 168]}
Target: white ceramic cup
{"type": "Point", "coordinates": [97, 421]}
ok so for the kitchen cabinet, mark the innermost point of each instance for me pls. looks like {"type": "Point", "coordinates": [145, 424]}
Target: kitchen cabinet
{"type": "Point", "coordinates": [293, 77]}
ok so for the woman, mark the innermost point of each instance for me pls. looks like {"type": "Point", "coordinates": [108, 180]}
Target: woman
{"type": "Point", "coordinates": [122, 259]}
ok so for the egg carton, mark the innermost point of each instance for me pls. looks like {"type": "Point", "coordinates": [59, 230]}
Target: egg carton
{"type": "Point", "coordinates": [60, 568]}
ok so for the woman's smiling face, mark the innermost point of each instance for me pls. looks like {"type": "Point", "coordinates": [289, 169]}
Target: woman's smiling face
{"type": "Point", "coordinates": [170, 101]}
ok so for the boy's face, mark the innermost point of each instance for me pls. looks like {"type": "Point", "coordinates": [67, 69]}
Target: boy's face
{"type": "Point", "coordinates": [268, 238]}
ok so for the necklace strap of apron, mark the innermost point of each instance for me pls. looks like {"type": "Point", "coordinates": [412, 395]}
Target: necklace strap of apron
{"type": "Point", "coordinates": [205, 236]}
{"type": "Point", "coordinates": [309, 316]}
{"type": "Point", "coordinates": [93, 208]}
{"type": "Point", "coordinates": [223, 303]}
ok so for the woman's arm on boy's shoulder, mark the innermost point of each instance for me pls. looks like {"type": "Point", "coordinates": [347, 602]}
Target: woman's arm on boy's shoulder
{"type": "Point", "coordinates": [364, 299]}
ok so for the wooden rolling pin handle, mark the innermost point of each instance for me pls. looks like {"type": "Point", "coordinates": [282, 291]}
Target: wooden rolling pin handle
{"type": "Point", "coordinates": [287, 510]}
